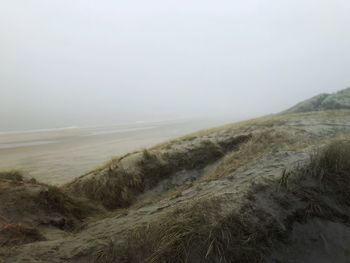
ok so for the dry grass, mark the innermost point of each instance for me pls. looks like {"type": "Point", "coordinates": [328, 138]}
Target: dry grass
{"type": "Point", "coordinates": [53, 199]}
{"type": "Point", "coordinates": [206, 232]}
{"type": "Point", "coordinates": [113, 188]}
{"type": "Point", "coordinates": [17, 176]}
{"type": "Point", "coordinates": [332, 164]}
{"type": "Point", "coordinates": [14, 175]}
{"type": "Point", "coordinates": [231, 128]}
{"type": "Point", "coordinates": [198, 233]}
{"type": "Point", "coordinates": [262, 143]}
{"type": "Point", "coordinates": [50, 197]}
{"type": "Point", "coordinates": [117, 186]}
{"type": "Point", "coordinates": [16, 234]}
{"type": "Point", "coordinates": [212, 230]}
{"type": "Point", "coordinates": [30, 203]}
{"type": "Point", "coordinates": [325, 177]}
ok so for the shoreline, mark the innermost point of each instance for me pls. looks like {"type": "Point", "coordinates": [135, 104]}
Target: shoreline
{"type": "Point", "coordinates": [58, 156]}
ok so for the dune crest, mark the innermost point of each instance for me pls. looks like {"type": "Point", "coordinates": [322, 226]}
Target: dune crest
{"type": "Point", "coordinates": [272, 189]}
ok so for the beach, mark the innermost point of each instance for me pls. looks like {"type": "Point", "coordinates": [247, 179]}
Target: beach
{"type": "Point", "coordinates": [56, 156]}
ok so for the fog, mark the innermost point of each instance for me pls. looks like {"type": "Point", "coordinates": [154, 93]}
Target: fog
{"type": "Point", "coordinates": [86, 62]}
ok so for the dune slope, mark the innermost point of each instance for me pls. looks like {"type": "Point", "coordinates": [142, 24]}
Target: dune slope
{"type": "Point", "coordinates": [239, 193]}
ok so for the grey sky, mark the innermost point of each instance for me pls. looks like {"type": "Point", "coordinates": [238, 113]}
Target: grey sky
{"type": "Point", "coordinates": [75, 62]}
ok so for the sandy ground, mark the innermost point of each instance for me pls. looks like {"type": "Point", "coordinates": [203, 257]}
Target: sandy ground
{"type": "Point", "coordinates": [316, 240]}
{"type": "Point", "coordinates": [58, 156]}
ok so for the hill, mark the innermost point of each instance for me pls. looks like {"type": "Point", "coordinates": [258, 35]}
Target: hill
{"type": "Point", "coordinates": [272, 189]}
{"type": "Point", "coordinates": [322, 102]}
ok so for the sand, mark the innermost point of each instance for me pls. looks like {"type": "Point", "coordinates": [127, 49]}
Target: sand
{"type": "Point", "coordinates": [58, 156]}
{"type": "Point", "coordinates": [255, 197]}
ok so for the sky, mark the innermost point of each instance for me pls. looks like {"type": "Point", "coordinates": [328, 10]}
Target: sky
{"type": "Point", "coordinates": [80, 62]}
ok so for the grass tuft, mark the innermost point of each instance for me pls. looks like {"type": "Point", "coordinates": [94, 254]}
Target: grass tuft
{"type": "Point", "coordinates": [14, 175]}
{"type": "Point", "coordinates": [17, 234]}
{"type": "Point", "coordinates": [55, 200]}
{"type": "Point", "coordinates": [207, 232]}
{"type": "Point", "coordinates": [268, 141]}
{"type": "Point", "coordinates": [122, 180]}
{"type": "Point", "coordinates": [325, 176]}
{"type": "Point", "coordinates": [198, 233]}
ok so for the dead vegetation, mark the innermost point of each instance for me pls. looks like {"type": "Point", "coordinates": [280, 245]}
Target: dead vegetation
{"type": "Point", "coordinates": [53, 199]}
{"type": "Point", "coordinates": [26, 206]}
{"type": "Point", "coordinates": [201, 235]}
{"type": "Point", "coordinates": [326, 177]}
{"type": "Point", "coordinates": [201, 232]}
{"type": "Point", "coordinates": [118, 184]}
{"type": "Point", "coordinates": [17, 234]}
{"type": "Point", "coordinates": [14, 175]}
{"type": "Point", "coordinates": [263, 142]}
{"type": "Point", "coordinates": [207, 232]}
{"type": "Point", "coordinates": [198, 233]}
{"type": "Point", "coordinates": [210, 227]}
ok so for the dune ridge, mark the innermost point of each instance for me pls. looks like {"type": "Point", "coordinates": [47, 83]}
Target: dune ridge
{"type": "Point", "coordinates": [272, 189]}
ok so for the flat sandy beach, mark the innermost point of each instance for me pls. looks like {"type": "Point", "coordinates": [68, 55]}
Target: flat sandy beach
{"type": "Point", "coordinates": [57, 156]}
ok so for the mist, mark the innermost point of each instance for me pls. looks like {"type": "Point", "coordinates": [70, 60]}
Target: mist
{"type": "Point", "coordinates": [82, 62]}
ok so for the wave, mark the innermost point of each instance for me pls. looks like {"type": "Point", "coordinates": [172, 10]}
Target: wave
{"type": "Point", "coordinates": [39, 130]}
{"type": "Point", "coordinates": [105, 132]}
{"type": "Point", "coordinates": [24, 144]}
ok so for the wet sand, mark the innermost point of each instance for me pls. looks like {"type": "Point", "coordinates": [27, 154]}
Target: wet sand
{"type": "Point", "coordinates": [58, 156]}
